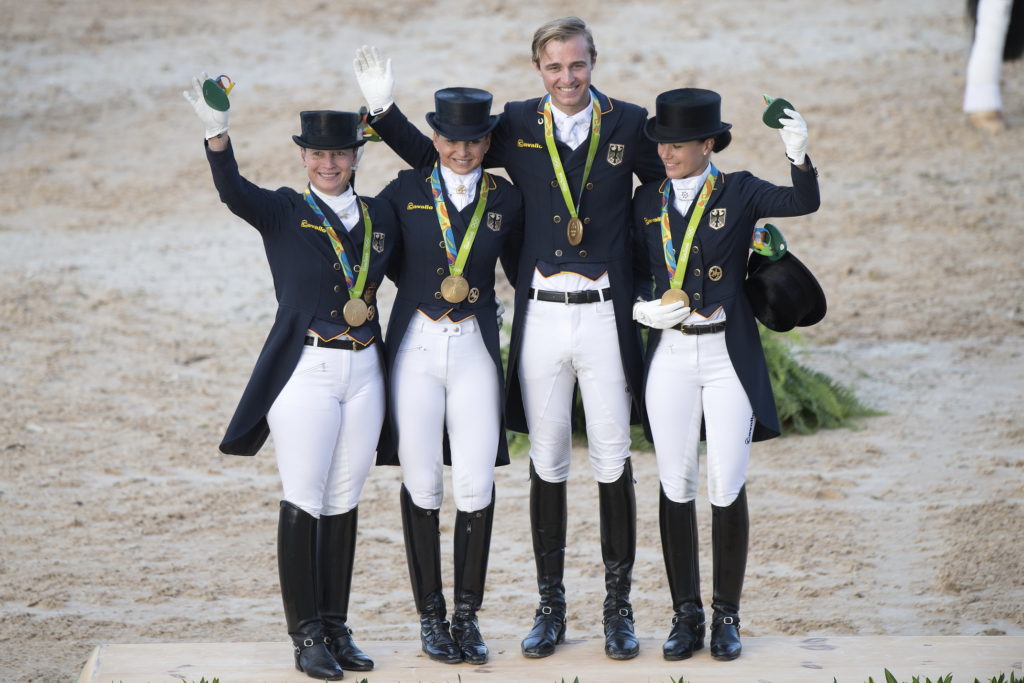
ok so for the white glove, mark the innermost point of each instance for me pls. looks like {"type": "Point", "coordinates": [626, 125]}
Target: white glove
{"type": "Point", "coordinates": [794, 136]}
{"type": "Point", "coordinates": [653, 314]}
{"type": "Point", "coordinates": [501, 311]}
{"type": "Point", "coordinates": [216, 122]}
{"type": "Point", "coordinates": [375, 79]}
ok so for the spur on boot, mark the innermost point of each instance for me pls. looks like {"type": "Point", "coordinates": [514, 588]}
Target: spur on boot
{"type": "Point", "coordinates": [687, 634]}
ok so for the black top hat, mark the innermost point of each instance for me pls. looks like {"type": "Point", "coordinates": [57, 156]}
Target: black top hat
{"type": "Point", "coordinates": [783, 293]}
{"type": "Point", "coordinates": [327, 129]}
{"type": "Point", "coordinates": [462, 113]}
{"type": "Point", "coordinates": [686, 114]}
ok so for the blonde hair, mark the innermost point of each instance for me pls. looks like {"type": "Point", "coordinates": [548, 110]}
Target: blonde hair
{"type": "Point", "coordinates": [561, 29]}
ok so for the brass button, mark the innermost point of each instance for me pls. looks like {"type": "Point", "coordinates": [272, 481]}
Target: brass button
{"type": "Point", "coordinates": [590, 186]}
{"type": "Point", "coordinates": [696, 249]}
{"type": "Point", "coordinates": [583, 253]}
{"type": "Point", "coordinates": [437, 295]}
{"type": "Point", "coordinates": [440, 271]}
{"type": "Point", "coordinates": [557, 219]}
{"type": "Point", "coordinates": [356, 267]}
{"type": "Point", "coordinates": [558, 252]}
{"type": "Point", "coordinates": [587, 219]}
{"type": "Point", "coordinates": [334, 314]}
{"type": "Point", "coordinates": [337, 266]}
{"type": "Point", "coordinates": [337, 288]}
{"type": "Point", "coordinates": [696, 296]}
{"type": "Point", "coordinates": [441, 244]}
{"type": "Point", "coordinates": [696, 272]}
{"type": "Point", "coordinates": [554, 183]}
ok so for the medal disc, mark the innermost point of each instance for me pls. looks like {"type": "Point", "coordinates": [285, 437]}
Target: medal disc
{"type": "Point", "coordinates": [215, 95]}
{"type": "Point", "coordinates": [673, 295]}
{"type": "Point", "coordinates": [574, 232]}
{"type": "Point", "coordinates": [356, 312]}
{"type": "Point", "coordinates": [454, 288]}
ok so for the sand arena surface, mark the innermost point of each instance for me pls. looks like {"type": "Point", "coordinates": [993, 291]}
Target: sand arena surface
{"type": "Point", "coordinates": [133, 306]}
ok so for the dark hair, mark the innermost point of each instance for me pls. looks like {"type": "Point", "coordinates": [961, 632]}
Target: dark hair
{"type": "Point", "coordinates": [722, 141]}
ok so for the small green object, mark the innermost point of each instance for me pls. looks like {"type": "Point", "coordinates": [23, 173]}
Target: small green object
{"type": "Point", "coordinates": [768, 241]}
{"type": "Point", "coordinates": [773, 111]}
{"type": "Point", "coordinates": [214, 95]}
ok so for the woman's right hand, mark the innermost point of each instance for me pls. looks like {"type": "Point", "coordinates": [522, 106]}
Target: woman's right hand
{"type": "Point", "coordinates": [375, 79]}
{"type": "Point", "coordinates": [216, 122]}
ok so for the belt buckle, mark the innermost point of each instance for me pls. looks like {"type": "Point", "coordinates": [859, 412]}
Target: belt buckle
{"type": "Point", "coordinates": [565, 295]}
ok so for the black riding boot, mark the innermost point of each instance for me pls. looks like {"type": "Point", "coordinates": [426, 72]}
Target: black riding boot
{"type": "Point", "coordinates": [548, 514]}
{"type": "Point", "coordinates": [472, 547]}
{"type": "Point", "coordinates": [296, 566]}
{"type": "Point", "coordinates": [336, 546]}
{"type": "Point", "coordinates": [730, 531]}
{"type": "Point", "coordinates": [617, 503]}
{"type": "Point", "coordinates": [679, 545]}
{"type": "Point", "coordinates": [423, 551]}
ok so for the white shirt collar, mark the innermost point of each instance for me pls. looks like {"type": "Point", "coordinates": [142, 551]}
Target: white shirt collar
{"type": "Point", "coordinates": [343, 205]}
{"type": "Point", "coordinates": [453, 181]}
{"type": "Point", "coordinates": [572, 129]}
{"type": "Point", "coordinates": [685, 190]}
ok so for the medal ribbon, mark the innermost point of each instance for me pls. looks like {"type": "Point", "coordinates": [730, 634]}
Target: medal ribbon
{"type": "Point", "coordinates": [355, 285]}
{"type": "Point", "coordinates": [457, 261]}
{"type": "Point", "coordinates": [556, 162]}
{"type": "Point", "coordinates": [676, 266]}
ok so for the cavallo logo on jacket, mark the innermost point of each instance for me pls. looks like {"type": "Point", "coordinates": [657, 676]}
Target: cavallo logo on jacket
{"type": "Point", "coordinates": [523, 143]}
{"type": "Point", "coordinates": [307, 224]}
{"type": "Point", "coordinates": [615, 154]}
{"type": "Point", "coordinates": [410, 206]}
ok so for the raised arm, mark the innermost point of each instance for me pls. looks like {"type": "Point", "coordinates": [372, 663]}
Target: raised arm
{"type": "Point", "coordinates": [377, 83]}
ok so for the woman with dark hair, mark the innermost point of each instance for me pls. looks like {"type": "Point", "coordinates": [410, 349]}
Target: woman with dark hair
{"type": "Point", "coordinates": [444, 360]}
{"type": "Point", "coordinates": [705, 369]}
{"type": "Point", "coordinates": [318, 385]}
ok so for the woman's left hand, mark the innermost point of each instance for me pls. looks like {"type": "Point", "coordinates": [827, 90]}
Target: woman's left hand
{"type": "Point", "coordinates": [794, 136]}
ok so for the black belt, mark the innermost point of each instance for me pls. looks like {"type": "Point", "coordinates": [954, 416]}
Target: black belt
{"type": "Point", "coordinates": [345, 344]}
{"type": "Point", "coordinates": [586, 296]}
{"type": "Point", "coordinates": [700, 329]}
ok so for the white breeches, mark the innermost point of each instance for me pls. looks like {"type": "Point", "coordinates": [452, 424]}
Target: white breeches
{"type": "Point", "coordinates": [444, 377]}
{"type": "Point", "coordinates": [691, 376]}
{"type": "Point", "coordinates": [564, 344]}
{"type": "Point", "coordinates": [326, 422]}
{"type": "Point", "coordinates": [986, 61]}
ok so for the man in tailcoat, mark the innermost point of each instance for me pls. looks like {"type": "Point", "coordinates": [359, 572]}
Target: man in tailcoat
{"type": "Point", "coordinates": [573, 153]}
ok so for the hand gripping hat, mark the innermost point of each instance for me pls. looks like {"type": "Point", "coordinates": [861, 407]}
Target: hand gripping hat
{"type": "Point", "coordinates": [462, 113]}
{"type": "Point", "coordinates": [686, 114]}
{"type": "Point", "coordinates": [326, 129]}
{"type": "Point", "coordinates": [783, 293]}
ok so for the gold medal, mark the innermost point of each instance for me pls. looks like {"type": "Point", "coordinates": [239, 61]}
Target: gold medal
{"type": "Point", "coordinates": [673, 295]}
{"type": "Point", "coordinates": [574, 232]}
{"type": "Point", "coordinates": [355, 312]}
{"type": "Point", "coordinates": [454, 288]}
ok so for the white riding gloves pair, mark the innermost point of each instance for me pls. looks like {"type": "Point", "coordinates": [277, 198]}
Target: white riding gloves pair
{"type": "Point", "coordinates": [216, 122]}
{"type": "Point", "coordinates": [653, 314]}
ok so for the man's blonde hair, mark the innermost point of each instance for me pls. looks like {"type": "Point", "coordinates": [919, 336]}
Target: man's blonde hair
{"type": "Point", "coordinates": [561, 29]}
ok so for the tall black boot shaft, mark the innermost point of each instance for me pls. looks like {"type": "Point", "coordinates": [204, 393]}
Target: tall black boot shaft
{"type": "Point", "coordinates": [336, 547]}
{"type": "Point", "coordinates": [730, 535]}
{"type": "Point", "coordinates": [472, 548]}
{"type": "Point", "coordinates": [617, 503]}
{"type": "Point", "coordinates": [548, 521]}
{"type": "Point", "coordinates": [296, 565]}
{"type": "Point", "coordinates": [423, 553]}
{"type": "Point", "coordinates": [678, 522]}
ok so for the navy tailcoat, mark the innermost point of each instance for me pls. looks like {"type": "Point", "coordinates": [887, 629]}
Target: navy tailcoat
{"type": "Point", "coordinates": [420, 262]}
{"type": "Point", "coordinates": [517, 145]}
{"type": "Point", "coordinates": [717, 266]}
{"type": "Point", "coordinates": [308, 283]}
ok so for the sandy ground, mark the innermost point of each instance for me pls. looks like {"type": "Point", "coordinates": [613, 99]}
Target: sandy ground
{"type": "Point", "coordinates": [133, 305]}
